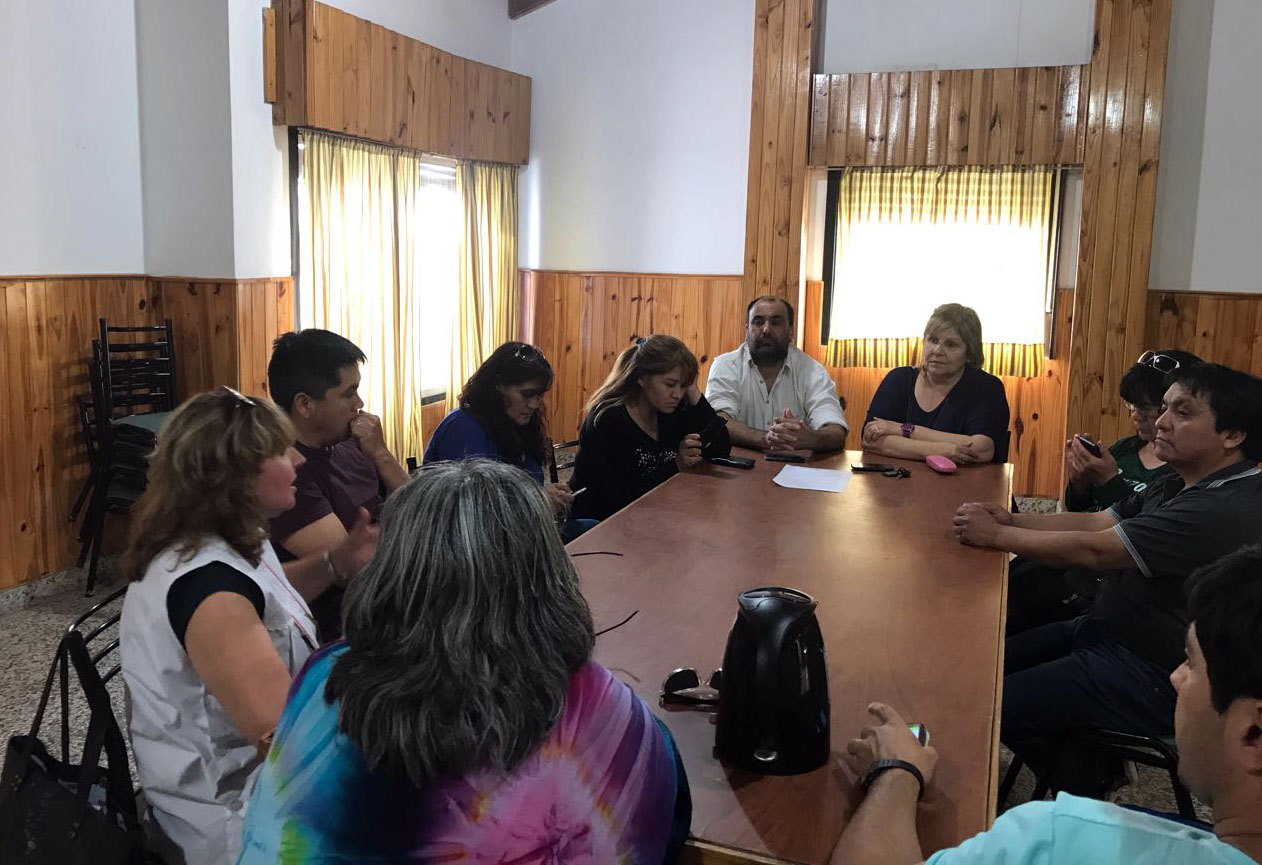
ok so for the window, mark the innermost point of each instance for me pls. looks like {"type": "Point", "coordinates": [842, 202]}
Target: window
{"type": "Point", "coordinates": [378, 233]}
{"type": "Point", "coordinates": [904, 240]}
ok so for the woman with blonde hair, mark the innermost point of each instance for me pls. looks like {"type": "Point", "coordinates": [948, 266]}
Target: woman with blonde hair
{"type": "Point", "coordinates": [644, 424]}
{"type": "Point", "coordinates": [948, 405]}
{"type": "Point", "coordinates": [212, 629]}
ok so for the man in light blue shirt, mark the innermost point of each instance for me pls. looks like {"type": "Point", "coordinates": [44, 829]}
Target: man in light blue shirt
{"type": "Point", "coordinates": [1218, 729]}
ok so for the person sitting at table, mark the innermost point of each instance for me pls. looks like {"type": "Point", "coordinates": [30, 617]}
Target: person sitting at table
{"type": "Point", "coordinates": [314, 376]}
{"type": "Point", "coordinates": [501, 418]}
{"type": "Point", "coordinates": [1109, 669]}
{"type": "Point", "coordinates": [642, 426]}
{"type": "Point", "coordinates": [212, 630]}
{"type": "Point", "coordinates": [772, 395]}
{"type": "Point", "coordinates": [948, 405]}
{"type": "Point", "coordinates": [1038, 594]}
{"type": "Point", "coordinates": [1131, 463]}
{"type": "Point", "coordinates": [463, 717]}
{"type": "Point", "coordinates": [1217, 730]}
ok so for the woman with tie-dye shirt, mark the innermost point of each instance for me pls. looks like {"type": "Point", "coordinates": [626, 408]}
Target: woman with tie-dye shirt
{"type": "Point", "coordinates": [463, 719]}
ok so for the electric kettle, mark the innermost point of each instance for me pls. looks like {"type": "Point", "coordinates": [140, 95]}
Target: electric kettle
{"type": "Point", "coordinates": [773, 704]}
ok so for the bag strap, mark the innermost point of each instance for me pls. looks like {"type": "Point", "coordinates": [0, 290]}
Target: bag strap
{"type": "Point", "coordinates": [27, 749]}
{"type": "Point", "coordinates": [103, 732]}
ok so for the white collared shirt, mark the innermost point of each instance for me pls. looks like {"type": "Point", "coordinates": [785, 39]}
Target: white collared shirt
{"type": "Point", "coordinates": [803, 386]}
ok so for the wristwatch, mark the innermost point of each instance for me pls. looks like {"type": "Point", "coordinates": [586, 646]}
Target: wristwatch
{"type": "Point", "coordinates": [908, 429]}
{"type": "Point", "coordinates": [884, 765]}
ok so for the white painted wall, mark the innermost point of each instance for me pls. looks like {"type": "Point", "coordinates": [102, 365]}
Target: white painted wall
{"type": "Point", "coordinates": [897, 35]}
{"type": "Point", "coordinates": [186, 137]}
{"type": "Point", "coordinates": [70, 197]}
{"type": "Point", "coordinates": [260, 154]}
{"type": "Point", "coordinates": [639, 134]}
{"type": "Point", "coordinates": [475, 29]}
{"type": "Point", "coordinates": [1209, 204]}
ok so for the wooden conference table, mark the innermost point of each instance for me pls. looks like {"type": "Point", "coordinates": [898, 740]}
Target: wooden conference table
{"type": "Point", "coordinates": [909, 617]}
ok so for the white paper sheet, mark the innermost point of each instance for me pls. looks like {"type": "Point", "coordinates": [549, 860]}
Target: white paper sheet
{"type": "Point", "coordinates": [821, 480]}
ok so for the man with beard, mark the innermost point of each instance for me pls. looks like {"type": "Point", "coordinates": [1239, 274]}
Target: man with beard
{"type": "Point", "coordinates": [772, 395]}
{"type": "Point", "coordinates": [314, 377]}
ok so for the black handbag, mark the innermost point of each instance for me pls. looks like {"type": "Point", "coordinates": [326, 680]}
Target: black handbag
{"type": "Point", "coordinates": [54, 812]}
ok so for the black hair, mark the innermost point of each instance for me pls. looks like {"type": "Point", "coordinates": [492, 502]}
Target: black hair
{"type": "Point", "coordinates": [1235, 397]}
{"type": "Point", "coordinates": [511, 364]}
{"type": "Point", "coordinates": [1144, 386]}
{"type": "Point", "coordinates": [788, 306]}
{"type": "Point", "coordinates": [309, 361]}
{"type": "Point", "coordinates": [1225, 604]}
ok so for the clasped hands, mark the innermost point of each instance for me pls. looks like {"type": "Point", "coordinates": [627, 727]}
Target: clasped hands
{"type": "Point", "coordinates": [787, 433]}
{"type": "Point", "coordinates": [977, 523]}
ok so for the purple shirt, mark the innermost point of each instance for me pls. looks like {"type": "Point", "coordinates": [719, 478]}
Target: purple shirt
{"type": "Point", "coordinates": [334, 480]}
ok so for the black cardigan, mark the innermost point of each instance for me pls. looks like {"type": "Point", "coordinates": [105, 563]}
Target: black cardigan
{"type": "Point", "coordinates": [618, 462]}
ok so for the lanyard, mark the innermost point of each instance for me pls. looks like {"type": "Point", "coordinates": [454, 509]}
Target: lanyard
{"type": "Point", "coordinates": [312, 642]}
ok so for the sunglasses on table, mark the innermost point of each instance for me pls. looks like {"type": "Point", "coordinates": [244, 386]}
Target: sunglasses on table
{"type": "Point", "coordinates": [684, 686]}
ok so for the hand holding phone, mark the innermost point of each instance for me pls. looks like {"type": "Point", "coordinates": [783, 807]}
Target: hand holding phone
{"type": "Point", "coordinates": [1090, 446]}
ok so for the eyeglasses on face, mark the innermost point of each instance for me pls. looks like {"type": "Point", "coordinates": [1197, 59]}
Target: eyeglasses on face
{"type": "Point", "coordinates": [1160, 362]}
{"type": "Point", "coordinates": [1148, 412]}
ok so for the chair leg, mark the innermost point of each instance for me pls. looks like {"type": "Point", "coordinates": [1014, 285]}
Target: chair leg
{"type": "Point", "coordinates": [98, 536]}
{"type": "Point", "coordinates": [1182, 797]}
{"type": "Point", "coordinates": [88, 483]}
{"type": "Point", "coordinates": [1009, 779]}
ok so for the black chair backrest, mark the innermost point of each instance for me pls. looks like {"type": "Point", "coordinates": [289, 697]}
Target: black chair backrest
{"type": "Point", "coordinates": [98, 632]}
{"type": "Point", "coordinates": [139, 371]}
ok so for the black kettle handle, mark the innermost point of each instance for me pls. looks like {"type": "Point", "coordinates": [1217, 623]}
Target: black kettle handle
{"type": "Point", "coordinates": [766, 672]}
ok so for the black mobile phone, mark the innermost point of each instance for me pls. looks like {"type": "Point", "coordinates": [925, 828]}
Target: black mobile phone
{"type": "Point", "coordinates": [732, 462]}
{"type": "Point", "coordinates": [1092, 447]}
{"type": "Point", "coordinates": [711, 430]}
{"type": "Point", "coordinates": [784, 457]}
{"type": "Point", "coordinates": [872, 467]}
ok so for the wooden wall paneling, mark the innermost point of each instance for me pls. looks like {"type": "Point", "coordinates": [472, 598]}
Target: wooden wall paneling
{"type": "Point", "coordinates": [363, 80]}
{"type": "Point", "coordinates": [1221, 328]}
{"type": "Point", "coordinates": [897, 118]}
{"type": "Point", "coordinates": [819, 121]}
{"type": "Point", "coordinates": [919, 106]}
{"type": "Point", "coordinates": [1125, 84]}
{"type": "Point", "coordinates": [982, 81]}
{"type": "Point", "coordinates": [269, 56]}
{"type": "Point", "coordinates": [856, 132]}
{"type": "Point", "coordinates": [48, 325]}
{"type": "Point", "coordinates": [582, 322]}
{"type": "Point", "coordinates": [1028, 116]}
{"type": "Point", "coordinates": [960, 119]}
{"type": "Point", "coordinates": [205, 317]}
{"type": "Point", "coordinates": [784, 40]}
{"type": "Point", "coordinates": [878, 95]}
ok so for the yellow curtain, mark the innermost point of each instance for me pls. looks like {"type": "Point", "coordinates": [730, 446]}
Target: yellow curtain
{"type": "Point", "coordinates": [489, 304]}
{"type": "Point", "coordinates": [378, 265]}
{"type": "Point", "coordinates": [909, 239]}
{"type": "Point", "coordinates": [349, 279]}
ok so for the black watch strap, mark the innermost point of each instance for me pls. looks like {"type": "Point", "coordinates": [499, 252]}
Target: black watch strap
{"type": "Point", "coordinates": [887, 763]}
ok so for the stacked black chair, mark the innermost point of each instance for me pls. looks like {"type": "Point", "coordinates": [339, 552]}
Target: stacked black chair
{"type": "Point", "coordinates": [132, 376]}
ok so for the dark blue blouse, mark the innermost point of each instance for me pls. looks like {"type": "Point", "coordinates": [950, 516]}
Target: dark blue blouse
{"type": "Point", "coordinates": [461, 437]}
{"type": "Point", "coordinates": [977, 405]}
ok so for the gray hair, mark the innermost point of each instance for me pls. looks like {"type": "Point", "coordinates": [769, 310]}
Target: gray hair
{"type": "Point", "coordinates": [463, 630]}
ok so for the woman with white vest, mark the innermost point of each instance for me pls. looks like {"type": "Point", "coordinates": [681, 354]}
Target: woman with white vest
{"type": "Point", "coordinates": [213, 629]}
